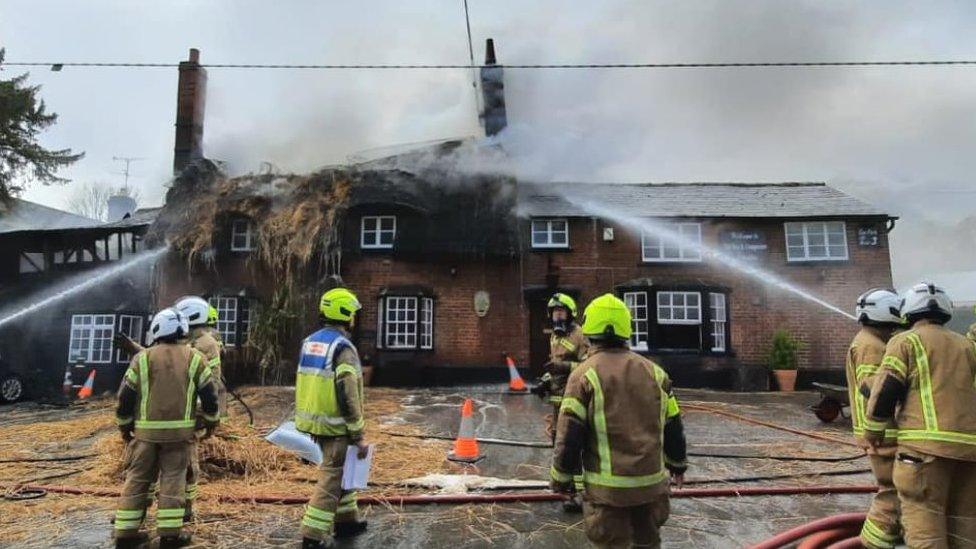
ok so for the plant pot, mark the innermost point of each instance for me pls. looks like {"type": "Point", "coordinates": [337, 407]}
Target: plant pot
{"type": "Point", "coordinates": [786, 379]}
{"type": "Point", "coordinates": [367, 376]}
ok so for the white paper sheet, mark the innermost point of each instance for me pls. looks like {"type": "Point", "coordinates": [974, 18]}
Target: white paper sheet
{"type": "Point", "coordinates": [355, 473]}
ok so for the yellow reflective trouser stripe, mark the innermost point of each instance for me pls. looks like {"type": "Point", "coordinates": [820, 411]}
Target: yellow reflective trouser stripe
{"type": "Point", "coordinates": [567, 344]}
{"type": "Point", "coordinates": [673, 408]}
{"type": "Point", "coordinates": [600, 423]}
{"type": "Point", "coordinates": [131, 524]}
{"type": "Point", "coordinates": [128, 519]}
{"type": "Point", "coordinates": [573, 405]}
{"type": "Point", "coordinates": [895, 364]}
{"type": "Point", "coordinates": [875, 536]}
{"type": "Point", "coordinates": [169, 518]}
{"type": "Point", "coordinates": [191, 491]}
{"type": "Point", "coordinates": [347, 503]}
{"type": "Point", "coordinates": [559, 476]}
{"type": "Point", "coordinates": [924, 383]}
{"type": "Point", "coordinates": [939, 436]}
{"type": "Point", "coordinates": [170, 512]}
{"type": "Point", "coordinates": [319, 519]}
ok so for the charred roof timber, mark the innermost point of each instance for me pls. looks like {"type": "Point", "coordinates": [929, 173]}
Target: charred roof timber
{"type": "Point", "coordinates": [493, 92]}
{"type": "Point", "coordinates": [191, 99]}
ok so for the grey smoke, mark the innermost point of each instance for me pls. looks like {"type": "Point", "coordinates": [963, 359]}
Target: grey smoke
{"type": "Point", "coordinates": [887, 135]}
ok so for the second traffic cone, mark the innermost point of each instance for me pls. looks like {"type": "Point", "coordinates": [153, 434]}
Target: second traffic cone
{"type": "Point", "coordinates": [515, 383]}
{"type": "Point", "coordinates": [89, 386]}
{"type": "Point", "coordinates": [466, 445]}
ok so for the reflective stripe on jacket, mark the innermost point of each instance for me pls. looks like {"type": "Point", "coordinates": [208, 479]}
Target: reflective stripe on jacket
{"type": "Point", "coordinates": [937, 367]}
{"type": "Point", "coordinates": [863, 364]}
{"type": "Point", "coordinates": [566, 352]}
{"type": "Point", "coordinates": [325, 405]}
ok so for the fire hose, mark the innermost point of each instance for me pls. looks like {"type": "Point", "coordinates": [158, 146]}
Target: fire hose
{"type": "Point", "coordinates": [777, 426]}
{"type": "Point", "coordinates": [420, 499]}
{"type": "Point", "coordinates": [847, 521]}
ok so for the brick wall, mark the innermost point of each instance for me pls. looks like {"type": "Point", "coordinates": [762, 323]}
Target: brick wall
{"type": "Point", "coordinates": [755, 309]}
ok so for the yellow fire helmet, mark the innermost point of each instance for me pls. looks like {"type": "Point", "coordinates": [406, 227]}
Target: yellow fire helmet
{"type": "Point", "coordinates": [212, 316]}
{"type": "Point", "coordinates": [339, 304]}
{"type": "Point", "coordinates": [607, 316]}
{"type": "Point", "coordinates": [564, 301]}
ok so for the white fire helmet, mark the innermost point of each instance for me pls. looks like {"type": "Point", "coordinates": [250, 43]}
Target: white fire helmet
{"type": "Point", "coordinates": [926, 297]}
{"type": "Point", "coordinates": [878, 306]}
{"type": "Point", "coordinates": [194, 309]}
{"type": "Point", "coordinates": [166, 323]}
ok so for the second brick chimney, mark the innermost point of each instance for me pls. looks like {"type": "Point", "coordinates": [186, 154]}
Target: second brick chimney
{"type": "Point", "coordinates": [493, 92]}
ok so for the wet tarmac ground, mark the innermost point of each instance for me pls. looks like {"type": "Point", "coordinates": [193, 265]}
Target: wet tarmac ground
{"type": "Point", "coordinates": [694, 522]}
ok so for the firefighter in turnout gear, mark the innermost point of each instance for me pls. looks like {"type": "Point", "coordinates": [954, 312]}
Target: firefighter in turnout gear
{"type": "Point", "coordinates": [157, 415]}
{"type": "Point", "coordinates": [198, 314]}
{"type": "Point", "coordinates": [927, 385]}
{"type": "Point", "coordinates": [878, 312]}
{"type": "Point", "coordinates": [624, 462]}
{"type": "Point", "coordinates": [567, 349]}
{"type": "Point", "coordinates": [329, 407]}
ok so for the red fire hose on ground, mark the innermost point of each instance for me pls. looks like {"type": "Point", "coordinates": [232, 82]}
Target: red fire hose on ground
{"type": "Point", "coordinates": [488, 498]}
{"type": "Point", "coordinates": [848, 522]}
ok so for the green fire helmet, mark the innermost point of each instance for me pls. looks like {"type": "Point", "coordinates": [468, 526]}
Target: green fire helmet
{"type": "Point", "coordinates": [339, 304]}
{"type": "Point", "coordinates": [607, 316]}
{"type": "Point", "coordinates": [564, 301]}
{"type": "Point", "coordinates": [212, 316]}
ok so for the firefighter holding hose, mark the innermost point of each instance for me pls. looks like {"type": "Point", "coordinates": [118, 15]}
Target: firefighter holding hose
{"type": "Point", "coordinates": [329, 407]}
{"type": "Point", "coordinates": [620, 427]}
{"type": "Point", "coordinates": [567, 349]}
{"type": "Point", "coordinates": [877, 311]}
{"type": "Point", "coordinates": [927, 387]}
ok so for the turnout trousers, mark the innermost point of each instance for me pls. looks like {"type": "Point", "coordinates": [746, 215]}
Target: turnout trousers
{"type": "Point", "coordinates": [330, 503]}
{"type": "Point", "coordinates": [882, 529]}
{"type": "Point", "coordinates": [609, 527]}
{"type": "Point", "coordinates": [147, 462]}
{"type": "Point", "coordinates": [938, 500]}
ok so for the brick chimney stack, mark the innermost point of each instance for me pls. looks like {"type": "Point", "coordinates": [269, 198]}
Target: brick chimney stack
{"type": "Point", "coordinates": [191, 99]}
{"type": "Point", "coordinates": [493, 92]}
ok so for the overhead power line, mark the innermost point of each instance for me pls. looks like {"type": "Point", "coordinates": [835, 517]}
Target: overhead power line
{"type": "Point", "coordinates": [57, 65]}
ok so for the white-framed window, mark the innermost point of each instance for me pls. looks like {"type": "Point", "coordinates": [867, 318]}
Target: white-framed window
{"type": "Point", "coordinates": [226, 318]}
{"type": "Point", "coordinates": [678, 308]}
{"type": "Point", "coordinates": [681, 244]}
{"type": "Point", "coordinates": [550, 233]}
{"type": "Point", "coordinates": [378, 232]}
{"type": "Point", "coordinates": [637, 303]}
{"type": "Point", "coordinates": [400, 330]}
{"type": "Point", "coordinates": [243, 237]}
{"type": "Point", "coordinates": [131, 326]}
{"type": "Point", "coordinates": [91, 338]}
{"type": "Point", "coordinates": [427, 323]}
{"type": "Point", "coordinates": [720, 319]}
{"type": "Point", "coordinates": [816, 241]}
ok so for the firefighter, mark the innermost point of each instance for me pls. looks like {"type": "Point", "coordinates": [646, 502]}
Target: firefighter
{"type": "Point", "coordinates": [927, 384]}
{"type": "Point", "coordinates": [197, 312]}
{"type": "Point", "coordinates": [157, 417]}
{"type": "Point", "coordinates": [567, 349]}
{"type": "Point", "coordinates": [624, 462]}
{"type": "Point", "coordinates": [329, 407]}
{"type": "Point", "coordinates": [878, 312]}
{"type": "Point", "coordinates": [212, 318]}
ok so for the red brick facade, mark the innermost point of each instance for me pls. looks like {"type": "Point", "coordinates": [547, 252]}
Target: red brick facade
{"type": "Point", "coordinates": [589, 267]}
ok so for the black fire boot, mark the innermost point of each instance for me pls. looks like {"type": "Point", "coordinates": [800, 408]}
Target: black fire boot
{"type": "Point", "coordinates": [574, 504]}
{"type": "Point", "coordinates": [349, 529]}
{"type": "Point", "coordinates": [132, 542]}
{"type": "Point", "coordinates": [309, 543]}
{"type": "Point", "coordinates": [172, 542]}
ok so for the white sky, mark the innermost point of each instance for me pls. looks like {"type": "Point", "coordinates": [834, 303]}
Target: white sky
{"type": "Point", "coordinates": [899, 137]}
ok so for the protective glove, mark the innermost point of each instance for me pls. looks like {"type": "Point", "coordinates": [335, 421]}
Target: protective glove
{"type": "Point", "coordinates": [126, 433]}
{"type": "Point", "coordinates": [562, 487]}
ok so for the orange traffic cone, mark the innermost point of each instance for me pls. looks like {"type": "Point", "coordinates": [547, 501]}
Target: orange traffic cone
{"type": "Point", "coordinates": [466, 446]}
{"type": "Point", "coordinates": [515, 382]}
{"type": "Point", "coordinates": [68, 384]}
{"type": "Point", "coordinates": [88, 387]}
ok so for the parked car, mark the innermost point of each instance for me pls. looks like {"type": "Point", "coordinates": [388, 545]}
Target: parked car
{"type": "Point", "coordinates": [11, 384]}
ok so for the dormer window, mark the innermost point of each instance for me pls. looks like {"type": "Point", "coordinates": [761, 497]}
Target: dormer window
{"type": "Point", "coordinates": [378, 232]}
{"type": "Point", "coordinates": [243, 236]}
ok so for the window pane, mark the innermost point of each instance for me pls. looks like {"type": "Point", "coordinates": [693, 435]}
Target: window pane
{"type": "Point", "coordinates": [387, 223]}
{"type": "Point", "coordinates": [558, 238]}
{"type": "Point", "coordinates": [386, 238]}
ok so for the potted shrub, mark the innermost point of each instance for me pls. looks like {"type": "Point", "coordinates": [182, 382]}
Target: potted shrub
{"type": "Point", "coordinates": [782, 359]}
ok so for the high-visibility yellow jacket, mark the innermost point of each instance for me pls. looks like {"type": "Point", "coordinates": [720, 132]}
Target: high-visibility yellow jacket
{"type": "Point", "coordinates": [566, 352]}
{"type": "Point", "coordinates": [329, 386]}
{"type": "Point", "coordinates": [931, 371]}
{"type": "Point", "coordinates": [158, 396]}
{"type": "Point", "coordinates": [619, 414]}
{"type": "Point", "coordinates": [863, 364]}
